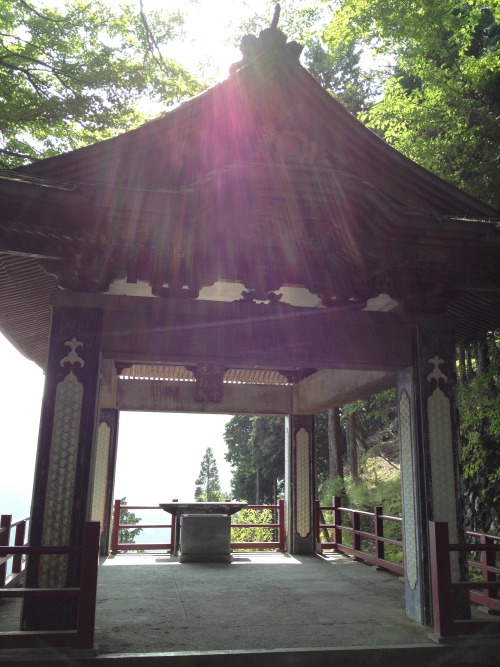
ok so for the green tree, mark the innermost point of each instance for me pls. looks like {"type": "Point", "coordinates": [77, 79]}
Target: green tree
{"type": "Point", "coordinates": [128, 535]}
{"type": "Point", "coordinates": [338, 69]}
{"type": "Point", "coordinates": [479, 404]}
{"type": "Point", "coordinates": [256, 451]}
{"type": "Point", "coordinates": [440, 101]}
{"type": "Point", "coordinates": [207, 484]}
{"type": "Point", "coordinates": [77, 74]}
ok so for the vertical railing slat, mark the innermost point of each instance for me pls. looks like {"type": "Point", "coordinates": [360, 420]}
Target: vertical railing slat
{"type": "Point", "coordinates": [379, 532]}
{"type": "Point", "coordinates": [19, 538]}
{"type": "Point", "coordinates": [5, 524]}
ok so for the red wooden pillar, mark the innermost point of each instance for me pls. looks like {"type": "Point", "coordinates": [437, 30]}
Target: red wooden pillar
{"type": "Point", "coordinates": [62, 485]}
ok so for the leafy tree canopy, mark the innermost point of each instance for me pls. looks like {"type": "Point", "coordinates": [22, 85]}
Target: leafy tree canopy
{"type": "Point", "coordinates": [441, 97]}
{"type": "Point", "coordinates": [75, 75]}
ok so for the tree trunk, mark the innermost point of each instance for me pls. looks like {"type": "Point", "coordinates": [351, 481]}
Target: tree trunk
{"type": "Point", "coordinates": [469, 371]}
{"type": "Point", "coordinates": [352, 446]}
{"type": "Point", "coordinates": [335, 463]}
{"type": "Point", "coordinates": [462, 373]}
{"type": "Point", "coordinates": [482, 354]}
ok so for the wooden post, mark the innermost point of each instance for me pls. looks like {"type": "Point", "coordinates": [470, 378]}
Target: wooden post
{"type": "Point", "coordinates": [356, 525]}
{"type": "Point", "coordinates": [116, 526]}
{"type": "Point", "coordinates": [281, 521]}
{"type": "Point", "coordinates": [88, 585]}
{"type": "Point", "coordinates": [5, 523]}
{"type": "Point", "coordinates": [440, 579]}
{"type": "Point", "coordinates": [379, 532]}
{"type": "Point", "coordinates": [19, 538]}
{"type": "Point", "coordinates": [337, 519]}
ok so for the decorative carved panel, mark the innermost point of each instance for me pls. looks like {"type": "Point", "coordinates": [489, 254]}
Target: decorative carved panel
{"type": "Point", "coordinates": [408, 488]}
{"type": "Point", "coordinates": [302, 482]}
{"type": "Point", "coordinates": [62, 469]}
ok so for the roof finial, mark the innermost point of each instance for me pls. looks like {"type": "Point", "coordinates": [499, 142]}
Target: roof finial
{"type": "Point", "coordinates": [268, 40]}
{"type": "Point", "coordinates": [276, 17]}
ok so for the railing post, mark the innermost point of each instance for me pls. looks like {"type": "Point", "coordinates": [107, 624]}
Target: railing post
{"type": "Point", "coordinates": [19, 536]}
{"type": "Point", "coordinates": [488, 560]}
{"type": "Point", "coordinates": [173, 534]}
{"type": "Point", "coordinates": [379, 532]}
{"type": "Point", "coordinates": [5, 524]}
{"type": "Point", "coordinates": [337, 519]}
{"type": "Point", "coordinates": [281, 527]}
{"type": "Point", "coordinates": [116, 526]}
{"type": "Point", "coordinates": [88, 585]}
{"type": "Point", "coordinates": [356, 524]}
{"type": "Point", "coordinates": [441, 578]}
{"type": "Point", "coordinates": [317, 514]}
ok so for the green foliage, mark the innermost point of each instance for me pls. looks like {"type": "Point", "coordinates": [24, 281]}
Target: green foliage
{"type": "Point", "coordinates": [378, 409]}
{"type": "Point", "coordinates": [479, 405]}
{"type": "Point", "coordinates": [252, 534]}
{"type": "Point", "coordinates": [128, 535]}
{"type": "Point", "coordinates": [256, 449]}
{"type": "Point", "coordinates": [440, 101]}
{"type": "Point", "coordinates": [300, 20]}
{"type": "Point", "coordinates": [321, 443]}
{"type": "Point", "coordinates": [207, 484]}
{"type": "Point", "coordinates": [77, 74]}
{"type": "Point", "coordinates": [365, 495]}
{"type": "Point", "coordinates": [338, 70]}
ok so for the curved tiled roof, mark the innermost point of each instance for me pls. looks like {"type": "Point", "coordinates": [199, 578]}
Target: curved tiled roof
{"type": "Point", "coordinates": [264, 179]}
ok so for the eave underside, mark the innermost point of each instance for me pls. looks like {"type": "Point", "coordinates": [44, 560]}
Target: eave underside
{"type": "Point", "coordinates": [25, 311]}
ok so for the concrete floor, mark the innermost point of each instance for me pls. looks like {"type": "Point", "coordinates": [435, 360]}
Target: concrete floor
{"type": "Point", "coordinates": [267, 602]}
{"type": "Point", "coordinates": [259, 601]}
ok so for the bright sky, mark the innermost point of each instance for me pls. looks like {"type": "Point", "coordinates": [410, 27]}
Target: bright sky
{"type": "Point", "coordinates": [210, 28]}
{"type": "Point", "coordinates": [159, 455]}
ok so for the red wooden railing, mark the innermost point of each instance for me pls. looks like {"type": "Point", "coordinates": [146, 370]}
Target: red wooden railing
{"type": "Point", "coordinates": [12, 576]}
{"type": "Point", "coordinates": [278, 527]}
{"type": "Point", "coordinates": [487, 566]}
{"type": "Point", "coordinates": [83, 636]}
{"type": "Point", "coordinates": [443, 586]}
{"type": "Point", "coordinates": [117, 547]}
{"type": "Point", "coordinates": [336, 529]}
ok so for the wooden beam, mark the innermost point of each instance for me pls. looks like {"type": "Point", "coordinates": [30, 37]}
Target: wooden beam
{"type": "Point", "coordinates": [240, 335]}
{"type": "Point", "coordinates": [333, 388]}
{"type": "Point", "coordinates": [161, 396]}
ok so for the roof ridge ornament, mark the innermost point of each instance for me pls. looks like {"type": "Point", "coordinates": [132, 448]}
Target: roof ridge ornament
{"type": "Point", "coordinates": [276, 16]}
{"type": "Point", "coordinates": [269, 39]}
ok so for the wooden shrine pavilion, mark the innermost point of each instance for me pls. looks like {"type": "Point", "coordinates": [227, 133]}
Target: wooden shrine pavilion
{"type": "Point", "coordinates": [255, 250]}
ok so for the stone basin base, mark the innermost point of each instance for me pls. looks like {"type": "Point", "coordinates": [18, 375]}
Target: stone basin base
{"type": "Point", "coordinates": [205, 538]}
